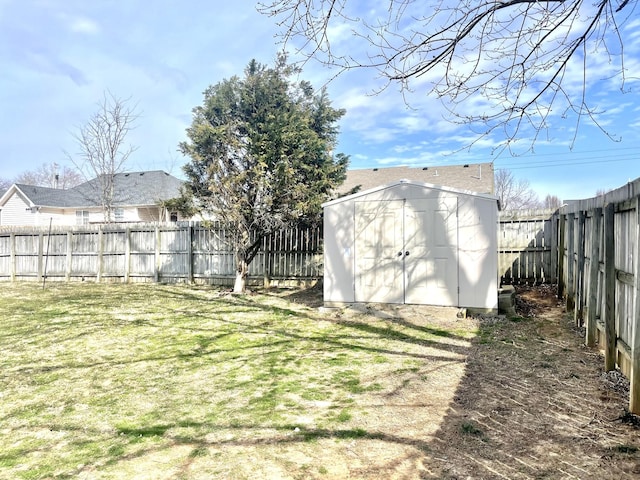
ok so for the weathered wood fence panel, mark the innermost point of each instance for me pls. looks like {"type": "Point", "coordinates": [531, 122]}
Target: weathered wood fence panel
{"type": "Point", "coordinates": [154, 252]}
{"type": "Point", "coordinates": [598, 254]}
{"type": "Point", "coordinates": [591, 249]}
{"type": "Point", "coordinates": [526, 247]}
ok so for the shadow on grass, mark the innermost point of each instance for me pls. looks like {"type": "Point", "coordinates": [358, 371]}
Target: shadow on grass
{"type": "Point", "coordinates": [251, 436]}
{"type": "Point", "coordinates": [279, 340]}
{"type": "Point", "coordinates": [528, 407]}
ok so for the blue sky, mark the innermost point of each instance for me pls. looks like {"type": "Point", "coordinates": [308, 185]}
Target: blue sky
{"type": "Point", "coordinates": [57, 57]}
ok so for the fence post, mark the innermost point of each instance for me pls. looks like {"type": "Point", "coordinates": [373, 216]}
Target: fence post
{"type": "Point", "coordinates": [190, 253]}
{"type": "Point", "coordinates": [634, 386]}
{"type": "Point", "coordinates": [12, 257]}
{"type": "Point", "coordinates": [69, 255]}
{"type": "Point", "coordinates": [127, 254]}
{"type": "Point", "coordinates": [156, 257]}
{"type": "Point", "coordinates": [610, 351]}
{"type": "Point", "coordinates": [553, 243]}
{"type": "Point", "coordinates": [100, 254]}
{"type": "Point", "coordinates": [594, 276]}
{"type": "Point", "coordinates": [265, 262]}
{"type": "Point", "coordinates": [40, 255]}
{"type": "Point", "coordinates": [578, 314]}
{"type": "Point", "coordinates": [561, 235]}
{"type": "Point", "coordinates": [571, 259]}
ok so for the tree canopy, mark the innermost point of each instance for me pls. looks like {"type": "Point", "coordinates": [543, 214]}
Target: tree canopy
{"type": "Point", "coordinates": [261, 151]}
{"type": "Point", "coordinates": [516, 62]}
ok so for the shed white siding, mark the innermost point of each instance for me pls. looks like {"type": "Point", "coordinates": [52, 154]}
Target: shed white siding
{"type": "Point", "coordinates": [412, 243]}
{"type": "Point", "coordinates": [44, 215]}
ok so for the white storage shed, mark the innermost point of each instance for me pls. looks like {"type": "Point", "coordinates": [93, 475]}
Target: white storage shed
{"type": "Point", "coordinates": [415, 243]}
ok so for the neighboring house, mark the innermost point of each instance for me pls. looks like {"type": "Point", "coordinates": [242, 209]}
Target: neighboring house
{"type": "Point", "coordinates": [472, 177]}
{"type": "Point", "coordinates": [138, 197]}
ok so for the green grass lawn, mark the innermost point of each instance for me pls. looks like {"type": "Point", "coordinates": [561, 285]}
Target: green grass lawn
{"type": "Point", "coordinates": [175, 381]}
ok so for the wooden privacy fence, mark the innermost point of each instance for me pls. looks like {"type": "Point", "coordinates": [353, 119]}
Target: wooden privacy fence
{"type": "Point", "coordinates": [599, 275]}
{"type": "Point", "coordinates": [527, 247]}
{"type": "Point", "coordinates": [188, 252]}
{"type": "Point", "coordinates": [590, 248]}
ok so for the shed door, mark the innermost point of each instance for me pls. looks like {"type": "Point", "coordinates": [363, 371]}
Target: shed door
{"type": "Point", "coordinates": [379, 238]}
{"type": "Point", "coordinates": [431, 251]}
{"type": "Point", "coordinates": [407, 252]}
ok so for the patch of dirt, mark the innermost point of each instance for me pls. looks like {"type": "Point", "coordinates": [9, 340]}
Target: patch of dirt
{"type": "Point", "coordinates": [535, 403]}
{"type": "Point", "coordinates": [529, 401]}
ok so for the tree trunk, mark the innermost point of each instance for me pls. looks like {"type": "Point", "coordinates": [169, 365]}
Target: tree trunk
{"type": "Point", "coordinates": [244, 257]}
{"type": "Point", "coordinates": [242, 272]}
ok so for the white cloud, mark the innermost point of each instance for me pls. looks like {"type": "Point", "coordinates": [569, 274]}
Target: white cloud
{"type": "Point", "coordinates": [83, 25]}
{"type": "Point", "coordinates": [59, 56]}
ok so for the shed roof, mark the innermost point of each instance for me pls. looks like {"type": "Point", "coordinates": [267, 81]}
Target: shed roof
{"type": "Point", "coordinates": [473, 177]}
{"type": "Point", "coordinates": [431, 186]}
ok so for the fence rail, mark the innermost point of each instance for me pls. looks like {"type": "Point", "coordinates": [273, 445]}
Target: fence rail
{"type": "Point", "coordinates": [154, 252]}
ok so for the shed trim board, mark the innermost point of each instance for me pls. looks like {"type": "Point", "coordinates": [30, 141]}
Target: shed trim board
{"type": "Point", "coordinates": [410, 242]}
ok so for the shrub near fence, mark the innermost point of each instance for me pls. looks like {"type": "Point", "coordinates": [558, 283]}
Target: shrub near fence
{"type": "Point", "coordinates": [183, 252]}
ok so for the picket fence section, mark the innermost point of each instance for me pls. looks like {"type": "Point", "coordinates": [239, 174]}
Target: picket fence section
{"type": "Point", "coordinates": [526, 247]}
{"type": "Point", "coordinates": [183, 252]}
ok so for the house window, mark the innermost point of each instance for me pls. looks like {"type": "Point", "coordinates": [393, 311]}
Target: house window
{"type": "Point", "coordinates": [118, 214]}
{"type": "Point", "coordinates": [82, 217]}
{"type": "Point", "coordinates": [173, 216]}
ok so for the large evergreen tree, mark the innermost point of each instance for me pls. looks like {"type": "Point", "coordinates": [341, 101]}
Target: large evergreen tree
{"type": "Point", "coordinates": [261, 155]}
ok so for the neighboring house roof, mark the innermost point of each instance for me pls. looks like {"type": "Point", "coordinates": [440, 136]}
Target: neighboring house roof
{"type": "Point", "coordinates": [136, 188]}
{"type": "Point", "coordinates": [48, 197]}
{"type": "Point", "coordinates": [473, 177]}
{"type": "Point", "coordinates": [130, 189]}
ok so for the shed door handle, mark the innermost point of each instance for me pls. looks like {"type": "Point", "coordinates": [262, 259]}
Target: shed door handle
{"type": "Point", "coordinates": [406, 254]}
{"type": "Point", "coordinates": [399, 254]}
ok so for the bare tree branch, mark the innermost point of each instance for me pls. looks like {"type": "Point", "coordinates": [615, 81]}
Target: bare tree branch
{"type": "Point", "coordinates": [516, 59]}
{"type": "Point", "coordinates": [51, 175]}
{"type": "Point", "coordinates": [513, 193]}
{"type": "Point", "coordinates": [102, 151]}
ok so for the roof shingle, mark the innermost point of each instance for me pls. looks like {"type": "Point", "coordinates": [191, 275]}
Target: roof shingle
{"type": "Point", "coordinates": [133, 188]}
{"type": "Point", "coordinates": [474, 177]}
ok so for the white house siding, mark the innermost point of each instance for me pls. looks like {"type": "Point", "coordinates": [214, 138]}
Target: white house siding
{"type": "Point", "coordinates": [14, 212]}
{"type": "Point", "coordinates": [57, 217]}
{"type": "Point", "coordinates": [147, 214]}
{"type": "Point", "coordinates": [17, 212]}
